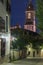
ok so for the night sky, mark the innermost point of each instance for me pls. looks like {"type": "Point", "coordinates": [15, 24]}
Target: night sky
{"type": "Point", "coordinates": [18, 8]}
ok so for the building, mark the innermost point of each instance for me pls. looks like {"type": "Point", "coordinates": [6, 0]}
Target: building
{"type": "Point", "coordinates": [4, 28]}
{"type": "Point", "coordinates": [30, 28]}
{"type": "Point", "coordinates": [30, 23]}
{"type": "Point", "coordinates": [16, 26]}
{"type": "Point", "coordinates": [2, 24]}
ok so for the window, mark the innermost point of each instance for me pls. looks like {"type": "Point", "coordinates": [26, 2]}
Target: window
{"type": "Point", "coordinates": [6, 23]}
{"type": "Point", "coordinates": [8, 6]}
{"type": "Point", "coordinates": [33, 53]}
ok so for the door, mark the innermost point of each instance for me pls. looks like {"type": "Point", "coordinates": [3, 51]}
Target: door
{"type": "Point", "coordinates": [3, 41]}
{"type": "Point", "coordinates": [33, 53]}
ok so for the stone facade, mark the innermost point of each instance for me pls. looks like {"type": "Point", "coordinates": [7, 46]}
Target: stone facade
{"type": "Point", "coordinates": [5, 36]}
{"type": "Point", "coordinates": [35, 53]}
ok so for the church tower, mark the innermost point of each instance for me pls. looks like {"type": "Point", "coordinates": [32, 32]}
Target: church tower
{"type": "Point", "coordinates": [30, 18]}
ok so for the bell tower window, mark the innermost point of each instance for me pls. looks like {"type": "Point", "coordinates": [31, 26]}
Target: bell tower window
{"type": "Point", "coordinates": [29, 15]}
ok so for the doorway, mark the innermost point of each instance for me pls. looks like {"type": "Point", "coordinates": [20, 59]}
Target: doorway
{"type": "Point", "coordinates": [33, 53]}
{"type": "Point", "coordinates": [3, 41]}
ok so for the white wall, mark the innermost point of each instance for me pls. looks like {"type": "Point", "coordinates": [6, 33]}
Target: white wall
{"type": "Point", "coordinates": [2, 11]}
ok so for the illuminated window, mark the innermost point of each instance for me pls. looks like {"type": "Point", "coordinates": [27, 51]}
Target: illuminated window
{"type": "Point", "coordinates": [29, 15]}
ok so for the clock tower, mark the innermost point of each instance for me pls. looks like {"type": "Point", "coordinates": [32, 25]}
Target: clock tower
{"type": "Point", "coordinates": [30, 18]}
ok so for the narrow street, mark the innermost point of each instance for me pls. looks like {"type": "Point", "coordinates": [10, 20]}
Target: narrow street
{"type": "Point", "coordinates": [25, 62]}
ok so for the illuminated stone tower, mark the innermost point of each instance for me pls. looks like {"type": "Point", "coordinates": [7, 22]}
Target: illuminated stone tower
{"type": "Point", "coordinates": [30, 18]}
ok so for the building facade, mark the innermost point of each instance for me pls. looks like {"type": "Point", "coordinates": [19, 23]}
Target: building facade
{"type": "Point", "coordinates": [5, 28]}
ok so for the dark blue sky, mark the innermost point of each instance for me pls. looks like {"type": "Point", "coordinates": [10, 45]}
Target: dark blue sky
{"type": "Point", "coordinates": [18, 8]}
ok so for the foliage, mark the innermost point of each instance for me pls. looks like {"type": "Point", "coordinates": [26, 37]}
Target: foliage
{"type": "Point", "coordinates": [26, 38]}
{"type": "Point", "coordinates": [39, 14]}
{"type": "Point", "coordinates": [20, 42]}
